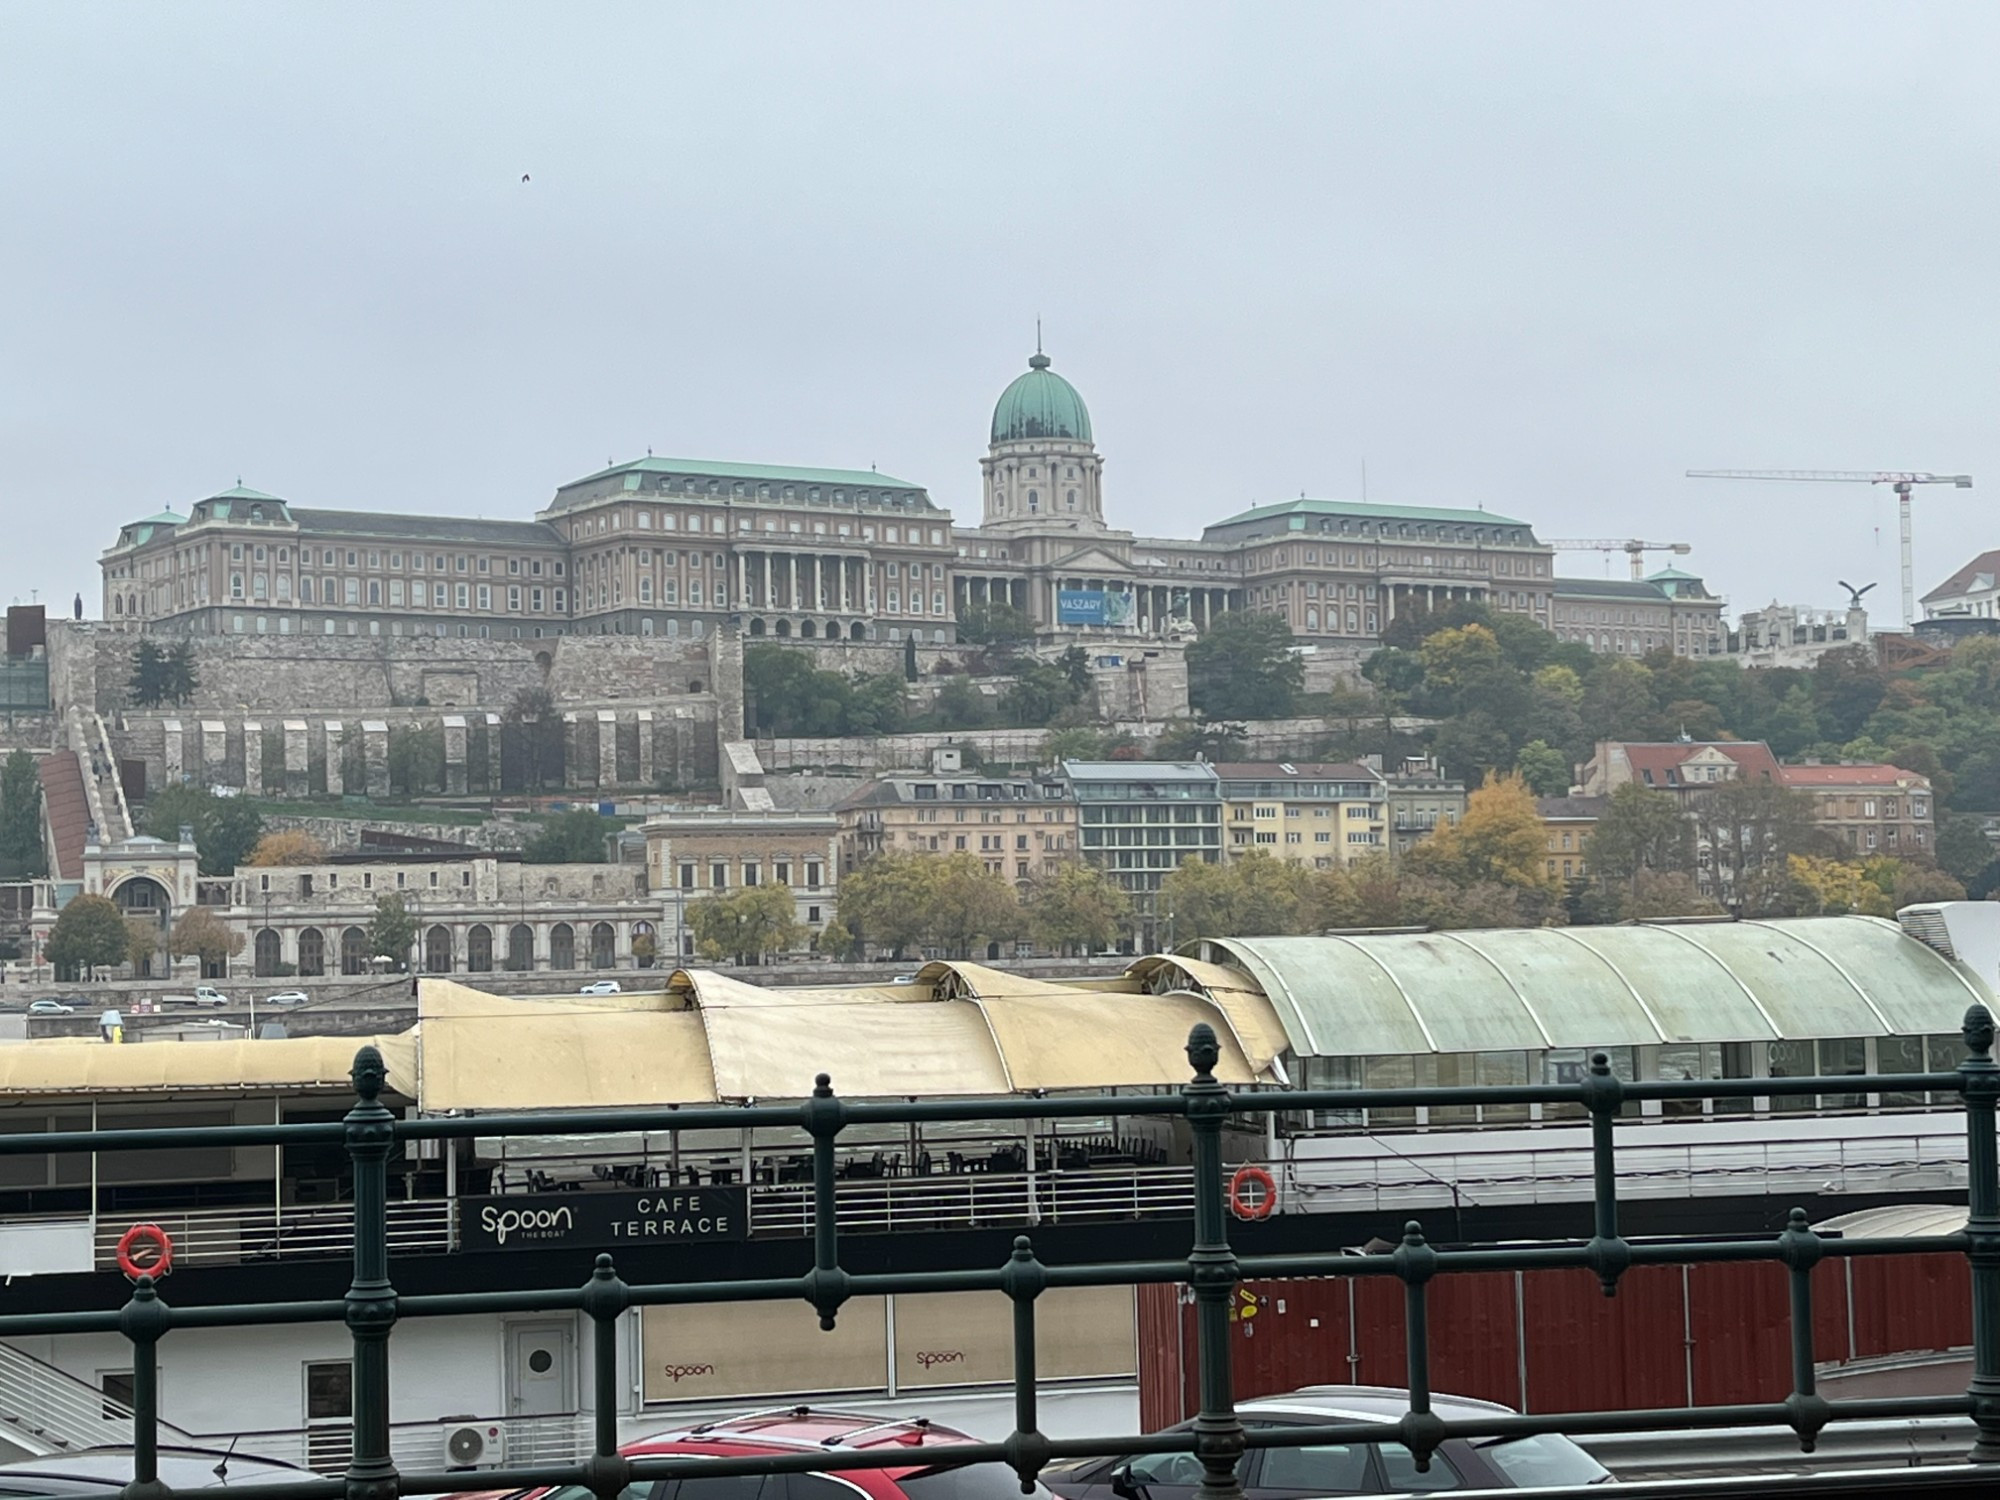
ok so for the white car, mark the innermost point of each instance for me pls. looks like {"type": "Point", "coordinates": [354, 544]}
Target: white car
{"type": "Point", "coordinates": [288, 997]}
{"type": "Point", "coordinates": [602, 987]}
{"type": "Point", "coordinates": [50, 1008]}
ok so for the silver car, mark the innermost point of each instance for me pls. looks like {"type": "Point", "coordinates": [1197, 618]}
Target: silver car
{"type": "Point", "coordinates": [1352, 1468]}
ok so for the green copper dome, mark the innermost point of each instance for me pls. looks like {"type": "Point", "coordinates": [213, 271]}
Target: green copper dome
{"type": "Point", "coordinates": [1040, 404]}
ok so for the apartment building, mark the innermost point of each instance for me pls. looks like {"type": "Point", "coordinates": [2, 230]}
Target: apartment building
{"type": "Point", "coordinates": [1568, 823]}
{"type": "Point", "coordinates": [1322, 816]}
{"type": "Point", "coordinates": [1870, 809]}
{"type": "Point", "coordinates": [1138, 820]}
{"type": "Point", "coordinates": [1018, 826]}
{"type": "Point", "coordinates": [1418, 799]}
{"type": "Point", "coordinates": [695, 853]}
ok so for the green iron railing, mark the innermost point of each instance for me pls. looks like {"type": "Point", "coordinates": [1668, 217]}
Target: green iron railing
{"type": "Point", "coordinates": [372, 1308]}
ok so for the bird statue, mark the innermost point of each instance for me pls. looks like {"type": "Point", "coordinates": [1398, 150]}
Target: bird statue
{"type": "Point", "coordinates": [1854, 594]}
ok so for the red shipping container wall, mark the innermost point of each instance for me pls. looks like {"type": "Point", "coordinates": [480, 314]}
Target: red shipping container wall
{"type": "Point", "coordinates": [1551, 1341]}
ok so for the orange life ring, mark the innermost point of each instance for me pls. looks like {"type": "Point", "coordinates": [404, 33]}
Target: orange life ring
{"type": "Point", "coordinates": [1265, 1206]}
{"type": "Point", "coordinates": [145, 1235]}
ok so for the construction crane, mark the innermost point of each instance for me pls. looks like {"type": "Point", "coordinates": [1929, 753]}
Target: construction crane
{"type": "Point", "coordinates": [1901, 482]}
{"type": "Point", "coordinates": [1631, 547]}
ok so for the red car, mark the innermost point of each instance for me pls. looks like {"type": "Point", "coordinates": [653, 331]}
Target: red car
{"type": "Point", "coordinates": [929, 1474]}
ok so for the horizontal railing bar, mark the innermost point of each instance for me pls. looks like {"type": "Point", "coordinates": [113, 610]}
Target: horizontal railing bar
{"type": "Point", "coordinates": [964, 1111]}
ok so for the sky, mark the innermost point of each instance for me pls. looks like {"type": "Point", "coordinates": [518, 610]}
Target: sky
{"type": "Point", "coordinates": [1536, 258]}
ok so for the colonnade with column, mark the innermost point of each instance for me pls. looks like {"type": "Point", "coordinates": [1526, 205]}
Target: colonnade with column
{"type": "Point", "coordinates": [805, 582]}
{"type": "Point", "coordinates": [1433, 596]}
{"type": "Point", "coordinates": [978, 590]}
{"type": "Point", "coordinates": [447, 944]}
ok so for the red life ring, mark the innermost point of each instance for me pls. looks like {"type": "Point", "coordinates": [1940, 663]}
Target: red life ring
{"type": "Point", "coordinates": [1265, 1205]}
{"type": "Point", "coordinates": [148, 1236]}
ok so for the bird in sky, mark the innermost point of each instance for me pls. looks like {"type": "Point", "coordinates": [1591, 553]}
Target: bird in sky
{"type": "Point", "coordinates": [524, 177]}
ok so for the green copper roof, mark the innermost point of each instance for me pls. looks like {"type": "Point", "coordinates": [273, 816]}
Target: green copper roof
{"type": "Point", "coordinates": [238, 492]}
{"type": "Point", "coordinates": [698, 468]}
{"type": "Point", "coordinates": [164, 518]}
{"type": "Point", "coordinates": [1368, 510]}
{"type": "Point", "coordinates": [1673, 575]}
{"type": "Point", "coordinates": [1040, 404]}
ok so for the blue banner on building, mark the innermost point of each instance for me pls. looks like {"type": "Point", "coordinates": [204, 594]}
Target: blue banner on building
{"type": "Point", "coordinates": [1094, 607]}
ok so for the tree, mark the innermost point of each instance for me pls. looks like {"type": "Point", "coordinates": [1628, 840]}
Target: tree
{"type": "Point", "coordinates": [416, 759]}
{"type": "Point", "coordinates": [288, 846]}
{"type": "Point", "coordinates": [1752, 829]}
{"type": "Point", "coordinates": [1501, 839]}
{"type": "Point", "coordinates": [1639, 832]}
{"type": "Point", "coordinates": [1252, 896]}
{"type": "Point", "coordinates": [226, 829]}
{"type": "Point", "coordinates": [1666, 893]}
{"type": "Point", "coordinates": [198, 932]}
{"type": "Point", "coordinates": [882, 901]}
{"type": "Point", "coordinates": [994, 624]}
{"type": "Point", "coordinates": [1963, 849]}
{"type": "Point", "coordinates": [1074, 664]}
{"type": "Point", "coordinates": [142, 942]}
{"type": "Point", "coordinates": [392, 933]}
{"type": "Point", "coordinates": [576, 837]}
{"type": "Point", "coordinates": [1185, 739]}
{"type": "Point", "coordinates": [834, 940]}
{"type": "Point", "coordinates": [1244, 667]}
{"type": "Point", "coordinates": [1038, 693]}
{"type": "Point", "coordinates": [530, 703]}
{"type": "Point", "coordinates": [968, 906]}
{"type": "Point", "coordinates": [1544, 768]}
{"type": "Point", "coordinates": [747, 925]}
{"type": "Point", "coordinates": [1071, 744]}
{"type": "Point", "coordinates": [1077, 908]}
{"type": "Point", "coordinates": [21, 853]}
{"type": "Point", "coordinates": [89, 935]}
{"type": "Point", "coordinates": [1833, 888]}
{"type": "Point", "coordinates": [179, 677]}
{"type": "Point", "coordinates": [960, 705]}
{"type": "Point", "coordinates": [149, 678]}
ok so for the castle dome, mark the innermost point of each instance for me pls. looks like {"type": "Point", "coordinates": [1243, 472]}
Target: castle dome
{"type": "Point", "coordinates": [1040, 404]}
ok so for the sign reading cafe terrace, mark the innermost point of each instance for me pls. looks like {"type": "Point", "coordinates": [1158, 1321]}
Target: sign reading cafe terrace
{"type": "Point", "coordinates": [541, 1221]}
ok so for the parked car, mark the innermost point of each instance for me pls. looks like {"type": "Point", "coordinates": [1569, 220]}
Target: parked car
{"type": "Point", "coordinates": [927, 1476]}
{"type": "Point", "coordinates": [1356, 1468]}
{"type": "Point", "coordinates": [50, 1008]}
{"type": "Point", "coordinates": [288, 997]}
{"type": "Point", "coordinates": [602, 987]}
{"type": "Point", "coordinates": [106, 1471]}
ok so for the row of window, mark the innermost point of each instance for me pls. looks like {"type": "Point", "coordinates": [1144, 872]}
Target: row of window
{"type": "Point", "coordinates": [603, 523]}
{"type": "Point", "coordinates": [395, 594]}
{"type": "Point", "coordinates": [753, 873]}
{"type": "Point", "coordinates": [1799, 1058]}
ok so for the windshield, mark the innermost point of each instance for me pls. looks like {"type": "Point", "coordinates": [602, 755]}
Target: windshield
{"type": "Point", "coordinates": [1543, 1460]}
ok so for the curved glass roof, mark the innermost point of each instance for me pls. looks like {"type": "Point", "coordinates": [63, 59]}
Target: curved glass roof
{"type": "Point", "coordinates": [1559, 987]}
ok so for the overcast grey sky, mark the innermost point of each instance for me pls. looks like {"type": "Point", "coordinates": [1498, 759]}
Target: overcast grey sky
{"type": "Point", "coordinates": [1540, 258]}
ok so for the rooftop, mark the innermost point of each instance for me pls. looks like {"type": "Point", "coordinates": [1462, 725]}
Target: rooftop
{"type": "Point", "coordinates": [1285, 770]}
{"type": "Point", "coordinates": [1975, 577]}
{"type": "Point", "coordinates": [1611, 588]}
{"type": "Point", "coordinates": [441, 529]}
{"type": "Point", "coordinates": [1368, 510]}
{"type": "Point", "coordinates": [1536, 988]}
{"type": "Point", "coordinates": [1561, 809]}
{"type": "Point", "coordinates": [1138, 770]}
{"type": "Point", "coordinates": [1664, 759]}
{"type": "Point", "coordinates": [1857, 775]}
{"type": "Point", "coordinates": [702, 468]}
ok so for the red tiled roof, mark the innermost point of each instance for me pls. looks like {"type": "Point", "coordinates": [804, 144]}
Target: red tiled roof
{"type": "Point", "coordinates": [1753, 758]}
{"type": "Point", "coordinates": [1870, 775]}
{"type": "Point", "coordinates": [1959, 582]}
{"type": "Point", "coordinates": [68, 811]}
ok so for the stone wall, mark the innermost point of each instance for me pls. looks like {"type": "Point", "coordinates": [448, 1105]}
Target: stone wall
{"type": "Point", "coordinates": [91, 665]}
{"type": "Point", "coordinates": [330, 754]}
{"type": "Point", "coordinates": [342, 835]}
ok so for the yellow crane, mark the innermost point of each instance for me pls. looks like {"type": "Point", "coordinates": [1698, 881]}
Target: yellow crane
{"type": "Point", "coordinates": [1631, 547]}
{"type": "Point", "coordinates": [1902, 481]}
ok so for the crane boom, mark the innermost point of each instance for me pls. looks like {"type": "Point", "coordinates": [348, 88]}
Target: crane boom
{"type": "Point", "coordinates": [1632, 547]}
{"type": "Point", "coordinates": [1903, 481]}
{"type": "Point", "coordinates": [1848, 476]}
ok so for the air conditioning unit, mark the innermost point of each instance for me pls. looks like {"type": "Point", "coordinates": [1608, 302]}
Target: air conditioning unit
{"type": "Point", "coordinates": [1967, 932]}
{"type": "Point", "coordinates": [474, 1445]}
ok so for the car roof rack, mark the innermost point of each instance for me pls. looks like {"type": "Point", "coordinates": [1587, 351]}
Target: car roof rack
{"type": "Point", "coordinates": [751, 1416]}
{"type": "Point", "coordinates": [922, 1424]}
